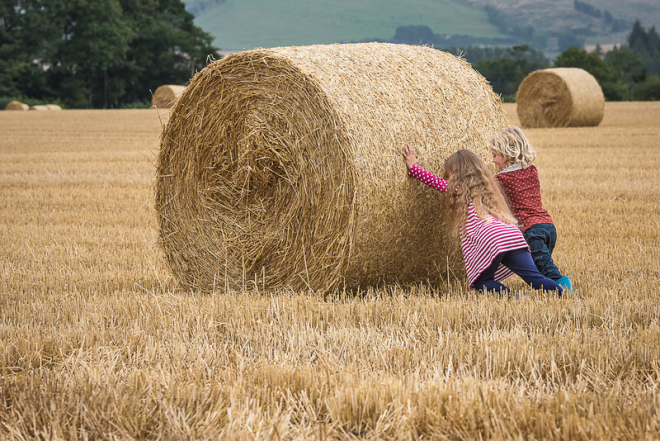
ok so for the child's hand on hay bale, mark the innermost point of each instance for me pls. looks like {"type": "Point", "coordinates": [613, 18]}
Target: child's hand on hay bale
{"type": "Point", "coordinates": [323, 117]}
{"type": "Point", "coordinates": [410, 156]}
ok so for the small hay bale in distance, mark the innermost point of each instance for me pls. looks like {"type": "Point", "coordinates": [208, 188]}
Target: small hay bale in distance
{"type": "Point", "coordinates": [16, 105]}
{"type": "Point", "coordinates": [166, 95]}
{"type": "Point", "coordinates": [283, 167]}
{"type": "Point", "coordinates": [560, 97]}
{"type": "Point", "coordinates": [40, 107]}
{"type": "Point", "coordinates": [53, 107]}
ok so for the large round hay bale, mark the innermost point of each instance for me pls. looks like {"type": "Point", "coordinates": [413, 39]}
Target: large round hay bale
{"type": "Point", "coordinates": [53, 107]}
{"type": "Point", "coordinates": [39, 107]}
{"type": "Point", "coordinates": [560, 97]}
{"type": "Point", "coordinates": [283, 167]}
{"type": "Point", "coordinates": [16, 105]}
{"type": "Point", "coordinates": [166, 95]}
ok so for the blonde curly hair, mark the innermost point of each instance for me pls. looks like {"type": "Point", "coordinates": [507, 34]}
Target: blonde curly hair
{"type": "Point", "coordinates": [469, 179]}
{"type": "Point", "coordinates": [514, 146]}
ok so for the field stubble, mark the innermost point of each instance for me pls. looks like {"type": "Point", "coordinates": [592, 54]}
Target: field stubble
{"type": "Point", "coordinates": [97, 342]}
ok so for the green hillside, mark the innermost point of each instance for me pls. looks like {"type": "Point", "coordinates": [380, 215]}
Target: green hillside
{"type": "Point", "coordinates": [245, 24]}
{"type": "Point", "coordinates": [546, 25]}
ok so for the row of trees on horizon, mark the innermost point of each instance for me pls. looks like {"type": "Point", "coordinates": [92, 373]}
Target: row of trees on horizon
{"type": "Point", "coordinates": [114, 53]}
{"type": "Point", "coordinates": [630, 72]}
{"type": "Point", "coordinates": [97, 53]}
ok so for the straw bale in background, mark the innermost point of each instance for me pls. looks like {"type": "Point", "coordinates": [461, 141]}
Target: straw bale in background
{"type": "Point", "coordinates": [39, 107]}
{"type": "Point", "coordinates": [560, 97]}
{"type": "Point", "coordinates": [53, 107]}
{"type": "Point", "coordinates": [283, 167]}
{"type": "Point", "coordinates": [16, 105]}
{"type": "Point", "coordinates": [166, 95]}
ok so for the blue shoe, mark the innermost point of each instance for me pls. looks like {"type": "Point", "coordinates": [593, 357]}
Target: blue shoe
{"type": "Point", "coordinates": [565, 283]}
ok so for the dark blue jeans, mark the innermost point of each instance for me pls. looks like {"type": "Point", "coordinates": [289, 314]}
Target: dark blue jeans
{"type": "Point", "coordinates": [541, 239]}
{"type": "Point", "coordinates": [521, 263]}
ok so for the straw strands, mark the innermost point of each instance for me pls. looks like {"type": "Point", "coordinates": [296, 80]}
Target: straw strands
{"type": "Point", "coordinates": [166, 95]}
{"type": "Point", "coordinates": [282, 167]}
{"type": "Point", "coordinates": [560, 97]}
{"type": "Point", "coordinates": [16, 105]}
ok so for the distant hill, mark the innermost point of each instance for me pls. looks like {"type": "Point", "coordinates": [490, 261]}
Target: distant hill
{"type": "Point", "coordinates": [590, 21]}
{"type": "Point", "coordinates": [548, 25]}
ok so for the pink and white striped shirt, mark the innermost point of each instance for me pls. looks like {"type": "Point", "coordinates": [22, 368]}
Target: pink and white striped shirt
{"type": "Point", "coordinates": [483, 240]}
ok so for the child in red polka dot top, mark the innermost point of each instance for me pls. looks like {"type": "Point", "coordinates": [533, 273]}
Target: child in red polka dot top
{"type": "Point", "coordinates": [492, 244]}
{"type": "Point", "coordinates": [519, 180]}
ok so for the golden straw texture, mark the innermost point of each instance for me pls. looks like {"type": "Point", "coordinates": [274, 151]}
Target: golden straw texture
{"type": "Point", "coordinates": [560, 97]}
{"type": "Point", "coordinates": [282, 167]}
{"type": "Point", "coordinates": [16, 105]}
{"type": "Point", "coordinates": [166, 95]}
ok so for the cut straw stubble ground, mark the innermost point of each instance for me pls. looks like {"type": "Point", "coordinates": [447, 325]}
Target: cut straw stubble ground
{"type": "Point", "coordinates": [391, 364]}
{"type": "Point", "coordinates": [97, 342]}
{"type": "Point", "coordinates": [283, 166]}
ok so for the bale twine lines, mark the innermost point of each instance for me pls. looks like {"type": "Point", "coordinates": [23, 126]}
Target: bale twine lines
{"type": "Point", "coordinates": [166, 95]}
{"type": "Point", "coordinates": [560, 97]}
{"type": "Point", "coordinates": [282, 167]}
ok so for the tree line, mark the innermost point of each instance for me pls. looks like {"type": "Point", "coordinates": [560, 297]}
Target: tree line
{"type": "Point", "coordinates": [615, 24]}
{"type": "Point", "coordinates": [115, 53]}
{"type": "Point", "coordinates": [97, 53]}
{"type": "Point", "coordinates": [629, 72]}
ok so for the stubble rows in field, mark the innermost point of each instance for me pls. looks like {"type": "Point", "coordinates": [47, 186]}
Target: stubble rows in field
{"type": "Point", "coordinates": [96, 341]}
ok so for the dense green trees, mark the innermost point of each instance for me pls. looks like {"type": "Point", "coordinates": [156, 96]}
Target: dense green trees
{"type": "Point", "coordinates": [97, 53]}
{"type": "Point", "coordinates": [506, 73]}
{"type": "Point", "coordinates": [113, 53]}
{"type": "Point", "coordinates": [646, 45]}
{"type": "Point", "coordinates": [20, 34]}
{"type": "Point", "coordinates": [504, 68]}
{"type": "Point", "coordinates": [613, 88]}
{"type": "Point", "coordinates": [625, 73]}
{"type": "Point", "coordinates": [89, 41]}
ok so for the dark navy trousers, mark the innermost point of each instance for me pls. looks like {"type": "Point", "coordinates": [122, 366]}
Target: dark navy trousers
{"type": "Point", "coordinates": [541, 239]}
{"type": "Point", "coordinates": [521, 263]}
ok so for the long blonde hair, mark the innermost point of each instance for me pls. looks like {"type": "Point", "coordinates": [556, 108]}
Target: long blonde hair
{"type": "Point", "coordinates": [470, 180]}
{"type": "Point", "coordinates": [514, 146]}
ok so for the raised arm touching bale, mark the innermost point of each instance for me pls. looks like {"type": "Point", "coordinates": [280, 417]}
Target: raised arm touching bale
{"type": "Point", "coordinates": [282, 167]}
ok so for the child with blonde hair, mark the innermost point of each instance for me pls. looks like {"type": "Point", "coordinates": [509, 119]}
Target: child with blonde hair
{"type": "Point", "coordinates": [492, 244]}
{"type": "Point", "coordinates": [519, 179]}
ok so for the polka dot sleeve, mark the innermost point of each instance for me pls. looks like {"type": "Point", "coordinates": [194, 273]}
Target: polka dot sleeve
{"type": "Point", "coordinates": [428, 178]}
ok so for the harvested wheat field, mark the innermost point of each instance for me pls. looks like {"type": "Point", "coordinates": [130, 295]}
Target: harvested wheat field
{"type": "Point", "coordinates": [98, 342]}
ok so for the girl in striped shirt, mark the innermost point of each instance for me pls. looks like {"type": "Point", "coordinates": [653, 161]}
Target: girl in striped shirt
{"type": "Point", "coordinates": [492, 244]}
